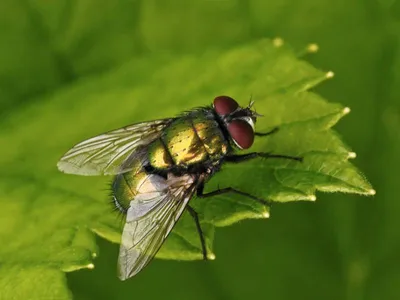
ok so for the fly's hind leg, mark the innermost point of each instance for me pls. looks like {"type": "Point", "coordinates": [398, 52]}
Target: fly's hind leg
{"type": "Point", "coordinates": [195, 217]}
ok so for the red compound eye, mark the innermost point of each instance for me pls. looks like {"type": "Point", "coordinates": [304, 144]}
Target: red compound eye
{"type": "Point", "coordinates": [224, 105]}
{"type": "Point", "coordinates": [242, 133]}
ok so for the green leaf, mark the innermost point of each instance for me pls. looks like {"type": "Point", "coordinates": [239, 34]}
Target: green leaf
{"type": "Point", "coordinates": [46, 216]}
{"type": "Point", "coordinates": [33, 282]}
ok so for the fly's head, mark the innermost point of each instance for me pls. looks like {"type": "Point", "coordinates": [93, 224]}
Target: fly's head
{"type": "Point", "coordinates": [239, 121]}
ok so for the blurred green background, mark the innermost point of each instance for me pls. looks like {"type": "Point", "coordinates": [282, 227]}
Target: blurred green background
{"type": "Point", "coordinates": [342, 246]}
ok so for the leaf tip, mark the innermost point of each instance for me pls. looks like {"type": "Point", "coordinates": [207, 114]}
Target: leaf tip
{"type": "Point", "coordinates": [211, 256]}
{"type": "Point", "coordinates": [312, 48]}
{"type": "Point", "coordinates": [371, 192]}
{"type": "Point", "coordinates": [265, 214]}
{"type": "Point", "coordinates": [312, 198]}
{"type": "Point", "coordinates": [329, 74]}
{"type": "Point", "coordinates": [90, 266]}
{"type": "Point", "coordinates": [351, 155]}
{"type": "Point", "coordinates": [346, 110]}
{"type": "Point", "coordinates": [277, 42]}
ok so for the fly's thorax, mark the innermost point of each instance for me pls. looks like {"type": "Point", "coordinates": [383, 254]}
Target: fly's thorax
{"type": "Point", "coordinates": [159, 156]}
{"type": "Point", "coordinates": [211, 136]}
{"type": "Point", "coordinates": [189, 140]}
{"type": "Point", "coordinates": [183, 143]}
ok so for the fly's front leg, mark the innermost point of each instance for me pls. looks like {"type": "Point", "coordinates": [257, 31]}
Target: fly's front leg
{"type": "Point", "coordinates": [252, 155]}
{"type": "Point", "coordinates": [201, 194]}
{"type": "Point", "coordinates": [239, 158]}
{"type": "Point", "coordinates": [266, 133]}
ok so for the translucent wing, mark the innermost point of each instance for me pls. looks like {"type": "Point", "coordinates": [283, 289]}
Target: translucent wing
{"type": "Point", "coordinates": [105, 153]}
{"type": "Point", "coordinates": [151, 216]}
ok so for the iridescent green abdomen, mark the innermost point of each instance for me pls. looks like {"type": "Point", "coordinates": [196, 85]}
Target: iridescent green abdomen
{"type": "Point", "coordinates": [125, 187]}
{"type": "Point", "coordinates": [189, 140]}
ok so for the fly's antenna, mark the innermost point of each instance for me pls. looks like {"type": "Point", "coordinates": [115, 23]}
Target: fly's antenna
{"type": "Point", "coordinates": [251, 102]}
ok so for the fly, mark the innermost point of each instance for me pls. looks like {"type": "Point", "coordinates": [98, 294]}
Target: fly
{"type": "Point", "coordinates": [158, 167]}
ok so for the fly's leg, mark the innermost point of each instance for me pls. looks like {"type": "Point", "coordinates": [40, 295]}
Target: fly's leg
{"type": "Point", "coordinates": [226, 190]}
{"type": "Point", "coordinates": [266, 133]}
{"type": "Point", "coordinates": [195, 217]}
{"type": "Point", "coordinates": [253, 155]}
